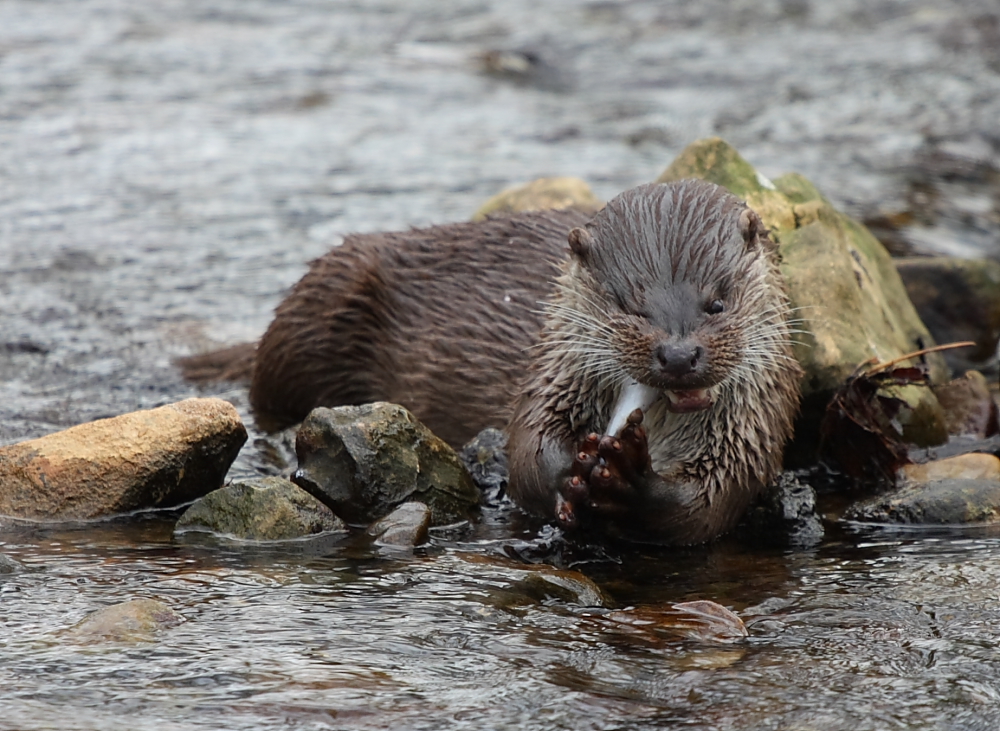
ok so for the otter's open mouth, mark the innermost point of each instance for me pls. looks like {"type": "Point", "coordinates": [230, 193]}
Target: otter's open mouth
{"type": "Point", "coordinates": [684, 402]}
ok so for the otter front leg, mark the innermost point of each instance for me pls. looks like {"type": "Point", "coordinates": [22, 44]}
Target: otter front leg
{"type": "Point", "coordinates": [609, 480]}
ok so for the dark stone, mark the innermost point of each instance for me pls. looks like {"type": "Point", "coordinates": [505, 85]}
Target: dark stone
{"type": "Point", "coordinates": [9, 565]}
{"type": "Point", "coordinates": [785, 515]}
{"type": "Point", "coordinates": [364, 461]}
{"type": "Point", "coordinates": [950, 501]}
{"type": "Point", "coordinates": [485, 457]}
{"type": "Point", "coordinates": [958, 299]}
{"type": "Point", "coordinates": [969, 408]}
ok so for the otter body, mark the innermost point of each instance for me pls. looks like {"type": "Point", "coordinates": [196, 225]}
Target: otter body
{"type": "Point", "coordinates": [672, 289]}
{"type": "Point", "coordinates": [439, 320]}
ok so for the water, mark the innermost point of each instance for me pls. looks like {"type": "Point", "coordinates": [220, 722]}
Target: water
{"type": "Point", "coordinates": [871, 632]}
{"type": "Point", "coordinates": [167, 170]}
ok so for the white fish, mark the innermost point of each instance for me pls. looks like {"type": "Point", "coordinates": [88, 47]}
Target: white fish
{"type": "Point", "coordinates": [632, 396]}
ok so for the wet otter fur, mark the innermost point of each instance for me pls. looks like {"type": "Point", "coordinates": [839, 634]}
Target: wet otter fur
{"type": "Point", "coordinates": [674, 286]}
{"type": "Point", "coordinates": [438, 319]}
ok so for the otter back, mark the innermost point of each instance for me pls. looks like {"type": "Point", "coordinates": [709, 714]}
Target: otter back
{"type": "Point", "coordinates": [436, 319]}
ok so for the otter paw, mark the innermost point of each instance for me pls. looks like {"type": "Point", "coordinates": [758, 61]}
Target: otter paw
{"type": "Point", "coordinates": [606, 477]}
{"type": "Point", "coordinates": [571, 503]}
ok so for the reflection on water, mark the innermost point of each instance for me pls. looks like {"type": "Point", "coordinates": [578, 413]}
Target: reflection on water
{"type": "Point", "coordinates": [869, 632]}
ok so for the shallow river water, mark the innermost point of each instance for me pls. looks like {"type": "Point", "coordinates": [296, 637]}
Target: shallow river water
{"type": "Point", "coordinates": [166, 171]}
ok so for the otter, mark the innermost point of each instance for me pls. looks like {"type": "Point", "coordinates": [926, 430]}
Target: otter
{"type": "Point", "coordinates": [665, 313]}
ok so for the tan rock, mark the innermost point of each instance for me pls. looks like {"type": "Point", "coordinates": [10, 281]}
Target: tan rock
{"type": "Point", "coordinates": [135, 620]}
{"type": "Point", "coordinates": [539, 195]}
{"type": "Point", "coordinates": [146, 459]}
{"type": "Point", "coordinates": [972, 466]}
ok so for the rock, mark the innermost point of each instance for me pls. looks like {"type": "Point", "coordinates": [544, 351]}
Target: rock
{"type": "Point", "coordinates": [485, 457]}
{"type": "Point", "coordinates": [958, 299]}
{"type": "Point", "coordinates": [961, 489]}
{"type": "Point", "coordinates": [969, 407]}
{"type": "Point", "coordinates": [540, 195]}
{"type": "Point", "coordinates": [364, 461]}
{"type": "Point", "coordinates": [847, 294]}
{"type": "Point", "coordinates": [949, 501]}
{"type": "Point", "coordinates": [135, 620]}
{"type": "Point", "coordinates": [529, 66]}
{"type": "Point", "coordinates": [972, 466]}
{"type": "Point", "coordinates": [146, 459]}
{"type": "Point", "coordinates": [700, 620]}
{"type": "Point", "coordinates": [9, 565]}
{"type": "Point", "coordinates": [260, 509]}
{"type": "Point", "coordinates": [567, 587]}
{"type": "Point", "coordinates": [785, 515]}
{"type": "Point", "coordinates": [406, 526]}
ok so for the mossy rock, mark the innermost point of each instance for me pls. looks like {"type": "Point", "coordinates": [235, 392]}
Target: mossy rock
{"type": "Point", "coordinates": [849, 301]}
{"type": "Point", "coordinates": [260, 509]}
{"type": "Point", "coordinates": [539, 195]}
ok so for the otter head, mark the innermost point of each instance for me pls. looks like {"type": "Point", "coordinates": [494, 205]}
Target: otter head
{"type": "Point", "coordinates": [679, 270]}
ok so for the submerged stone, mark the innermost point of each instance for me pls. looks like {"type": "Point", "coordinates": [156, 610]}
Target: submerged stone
{"type": "Point", "coordinates": [9, 565]}
{"type": "Point", "coordinates": [364, 461]}
{"type": "Point", "coordinates": [406, 526]}
{"type": "Point", "coordinates": [260, 509]}
{"type": "Point", "coordinates": [146, 459]}
{"type": "Point", "coordinates": [137, 620]}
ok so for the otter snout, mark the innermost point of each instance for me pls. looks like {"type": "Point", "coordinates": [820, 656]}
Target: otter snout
{"type": "Point", "coordinates": [675, 360]}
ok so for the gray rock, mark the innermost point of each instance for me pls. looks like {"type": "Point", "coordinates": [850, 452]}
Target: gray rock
{"type": "Point", "coordinates": [145, 459]}
{"type": "Point", "coordinates": [364, 461]}
{"type": "Point", "coordinates": [948, 501]}
{"type": "Point", "coordinates": [485, 457]}
{"type": "Point", "coordinates": [785, 515]}
{"type": "Point", "coordinates": [406, 526]}
{"type": "Point", "coordinates": [9, 565]}
{"type": "Point", "coordinates": [260, 509]}
{"type": "Point", "coordinates": [138, 620]}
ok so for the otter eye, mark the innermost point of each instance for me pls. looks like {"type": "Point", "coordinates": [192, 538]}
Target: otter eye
{"type": "Point", "coordinates": [715, 307]}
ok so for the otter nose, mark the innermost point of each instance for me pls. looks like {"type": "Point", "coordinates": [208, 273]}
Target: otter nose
{"type": "Point", "coordinates": [679, 359]}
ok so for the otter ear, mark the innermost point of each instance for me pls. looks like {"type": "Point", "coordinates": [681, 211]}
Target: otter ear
{"type": "Point", "coordinates": [750, 226]}
{"type": "Point", "coordinates": [580, 242]}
